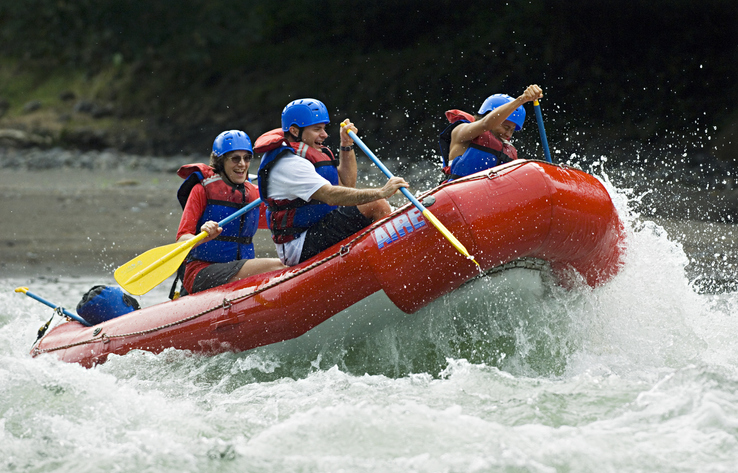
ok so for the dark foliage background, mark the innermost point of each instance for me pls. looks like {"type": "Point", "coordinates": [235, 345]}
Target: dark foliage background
{"type": "Point", "coordinates": [174, 73]}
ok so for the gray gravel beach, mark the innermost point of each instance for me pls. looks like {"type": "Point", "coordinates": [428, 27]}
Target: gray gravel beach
{"type": "Point", "coordinates": [90, 216]}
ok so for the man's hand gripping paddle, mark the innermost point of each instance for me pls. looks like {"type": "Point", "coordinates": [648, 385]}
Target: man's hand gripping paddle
{"type": "Point", "coordinates": [426, 213]}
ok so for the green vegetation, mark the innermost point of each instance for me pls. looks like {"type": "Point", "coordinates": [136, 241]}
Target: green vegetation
{"type": "Point", "coordinates": [174, 73]}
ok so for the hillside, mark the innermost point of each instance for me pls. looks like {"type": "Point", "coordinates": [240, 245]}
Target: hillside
{"type": "Point", "coordinates": [164, 77]}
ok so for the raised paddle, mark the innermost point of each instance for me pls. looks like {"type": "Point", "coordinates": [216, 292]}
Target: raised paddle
{"type": "Point", "coordinates": [72, 316]}
{"type": "Point", "coordinates": [426, 213]}
{"type": "Point", "coordinates": [541, 129]}
{"type": "Point", "coordinates": [145, 272]}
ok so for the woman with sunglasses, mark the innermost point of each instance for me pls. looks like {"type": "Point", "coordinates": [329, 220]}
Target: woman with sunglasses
{"type": "Point", "coordinates": [210, 194]}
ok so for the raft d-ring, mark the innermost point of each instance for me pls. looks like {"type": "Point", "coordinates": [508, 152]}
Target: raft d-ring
{"type": "Point", "coordinates": [104, 338]}
{"type": "Point", "coordinates": [344, 250]}
{"type": "Point", "coordinates": [226, 303]}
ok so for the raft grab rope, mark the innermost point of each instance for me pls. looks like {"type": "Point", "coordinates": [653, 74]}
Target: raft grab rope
{"type": "Point", "coordinates": [343, 251]}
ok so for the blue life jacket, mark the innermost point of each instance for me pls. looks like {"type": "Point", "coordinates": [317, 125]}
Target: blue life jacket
{"type": "Point", "coordinates": [288, 218]}
{"type": "Point", "coordinates": [223, 199]}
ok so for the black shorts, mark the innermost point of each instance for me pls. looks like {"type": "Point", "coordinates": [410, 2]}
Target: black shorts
{"type": "Point", "coordinates": [334, 227]}
{"type": "Point", "coordinates": [216, 274]}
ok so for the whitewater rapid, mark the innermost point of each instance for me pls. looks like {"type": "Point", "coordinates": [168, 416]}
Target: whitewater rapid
{"type": "Point", "coordinates": [510, 373]}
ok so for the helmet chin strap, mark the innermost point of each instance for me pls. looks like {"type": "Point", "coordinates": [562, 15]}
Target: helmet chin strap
{"type": "Point", "coordinates": [297, 138]}
{"type": "Point", "coordinates": [233, 185]}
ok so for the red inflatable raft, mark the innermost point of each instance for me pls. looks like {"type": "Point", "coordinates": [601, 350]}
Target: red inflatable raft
{"type": "Point", "coordinates": [521, 209]}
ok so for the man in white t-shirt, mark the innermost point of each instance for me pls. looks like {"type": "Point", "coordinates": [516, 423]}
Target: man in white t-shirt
{"type": "Point", "coordinates": [311, 196]}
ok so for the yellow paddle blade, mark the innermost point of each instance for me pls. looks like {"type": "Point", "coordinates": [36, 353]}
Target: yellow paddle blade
{"type": "Point", "coordinates": [148, 270]}
{"type": "Point", "coordinates": [448, 235]}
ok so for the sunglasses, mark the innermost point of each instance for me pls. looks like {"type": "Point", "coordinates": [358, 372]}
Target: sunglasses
{"type": "Point", "coordinates": [237, 159]}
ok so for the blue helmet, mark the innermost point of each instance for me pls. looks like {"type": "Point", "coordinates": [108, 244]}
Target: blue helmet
{"type": "Point", "coordinates": [232, 140]}
{"type": "Point", "coordinates": [102, 303]}
{"type": "Point", "coordinates": [494, 101]}
{"type": "Point", "coordinates": [304, 112]}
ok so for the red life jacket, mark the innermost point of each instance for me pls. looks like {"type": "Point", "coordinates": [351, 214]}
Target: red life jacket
{"type": "Point", "coordinates": [288, 218]}
{"type": "Point", "coordinates": [484, 152]}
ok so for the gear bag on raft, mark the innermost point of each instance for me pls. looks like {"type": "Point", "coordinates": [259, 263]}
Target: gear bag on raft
{"type": "Point", "coordinates": [102, 303]}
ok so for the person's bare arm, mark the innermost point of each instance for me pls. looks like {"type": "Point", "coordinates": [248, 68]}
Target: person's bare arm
{"type": "Point", "coordinates": [463, 134]}
{"type": "Point", "coordinates": [348, 196]}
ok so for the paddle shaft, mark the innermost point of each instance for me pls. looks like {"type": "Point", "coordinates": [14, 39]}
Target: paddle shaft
{"type": "Point", "coordinates": [542, 130]}
{"type": "Point", "coordinates": [189, 244]}
{"type": "Point", "coordinates": [384, 169]}
{"type": "Point", "coordinates": [235, 215]}
{"type": "Point", "coordinates": [76, 317]}
{"type": "Point", "coordinates": [426, 213]}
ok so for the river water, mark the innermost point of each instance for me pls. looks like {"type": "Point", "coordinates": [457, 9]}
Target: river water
{"type": "Point", "coordinates": [511, 373]}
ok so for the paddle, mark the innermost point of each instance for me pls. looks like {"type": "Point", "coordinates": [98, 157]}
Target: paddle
{"type": "Point", "coordinates": [76, 317]}
{"type": "Point", "coordinates": [541, 130]}
{"type": "Point", "coordinates": [426, 213]}
{"type": "Point", "coordinates": [145, 272]}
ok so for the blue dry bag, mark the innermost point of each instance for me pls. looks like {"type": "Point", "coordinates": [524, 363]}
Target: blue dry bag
{"type": "Point", "coordinates": [103, 303]}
